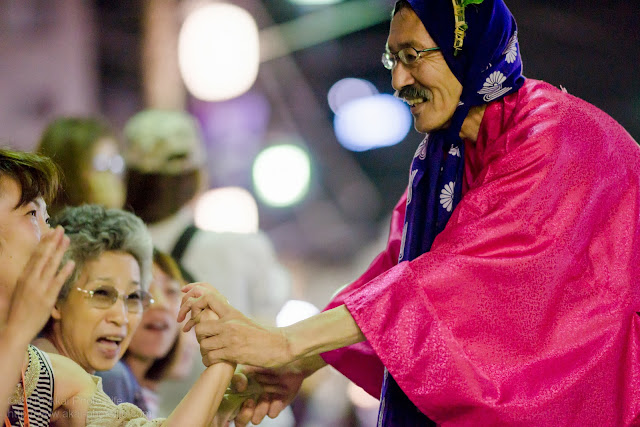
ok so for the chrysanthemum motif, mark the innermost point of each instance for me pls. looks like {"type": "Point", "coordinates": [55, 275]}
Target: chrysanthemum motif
{"type": "Point", "coordinates": [412, 175]}
{"type": "Point", "coordinates": [404, 237]}
{"type": "Point", "coordinates": [492, 87]}
{"type": "Point", "coordinates": [495, 79]}
{"type": "Point", "coordinates": [421, 152]}
{"type": "Point", "coordinates": [446, 196]}
{"type": "Point", "coordinates": [454, 151]}
{"type": "Point", "coordinates": [511, 51]}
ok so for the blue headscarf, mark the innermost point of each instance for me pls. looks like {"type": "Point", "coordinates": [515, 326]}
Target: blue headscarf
{"type": "Point", "coordinates": [489, 67]}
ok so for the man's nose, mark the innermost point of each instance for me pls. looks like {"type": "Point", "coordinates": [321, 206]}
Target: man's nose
{"type": "Point", "coordinates": [401, 76]}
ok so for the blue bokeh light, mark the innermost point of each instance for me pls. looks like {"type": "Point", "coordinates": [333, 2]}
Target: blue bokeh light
{"type": "Point", "coordinates": [372, 122]}
{"type": "Point", "coordinates": [349, 89]}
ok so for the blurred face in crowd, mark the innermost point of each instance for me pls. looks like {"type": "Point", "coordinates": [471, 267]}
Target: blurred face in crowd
{"type": "Point", "coordinates": [427, 85]}
{"type": "Point", "coordinates": [159, 329]}
{"type": "Point", "coordinates": [105, 176]}
{"type": "Point", "coordinates": [21, 228]}
{"type": "Point", "coordinates": [91, 329]}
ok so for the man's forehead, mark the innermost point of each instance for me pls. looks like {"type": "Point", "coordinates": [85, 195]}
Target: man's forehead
{"type": "Point", "coordinates": [407, 30]}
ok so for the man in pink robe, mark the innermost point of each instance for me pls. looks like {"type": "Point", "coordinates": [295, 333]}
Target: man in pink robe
{"type": "Point", "coordinates": [524, 308]}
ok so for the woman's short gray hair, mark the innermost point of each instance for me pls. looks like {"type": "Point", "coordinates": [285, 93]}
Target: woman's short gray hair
{"type": "Point", "coordinates": [94, 230]}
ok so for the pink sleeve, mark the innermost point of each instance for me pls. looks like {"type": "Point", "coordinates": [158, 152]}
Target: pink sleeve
{"type": "Point", "coordinates": [359, 362]}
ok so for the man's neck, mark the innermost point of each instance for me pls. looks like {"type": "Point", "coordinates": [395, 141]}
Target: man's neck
{"type": "Point", "coordinates": [471, 125]}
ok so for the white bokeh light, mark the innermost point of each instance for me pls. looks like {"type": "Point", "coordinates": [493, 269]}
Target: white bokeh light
{"type": "Point", "coordinates": [281, 175]}
{"type": "Point", "coordinates": [361, 398]}
{"type": "Point", "coordinates": [294, 311]}
{"type": "Point", "coordinates": [218, 51]}
{"type": "Point", "coordinates": [349, 89]}
{"type": "Point", "coordinates": [227, 210]}
{"type": "Point", "coordinates": [315, 2]}
{"type": "Point", "coordinates": [372, 122]}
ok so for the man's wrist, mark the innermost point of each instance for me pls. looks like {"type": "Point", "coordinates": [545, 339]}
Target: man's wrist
{"type": "Point", "coordinates": [308, 365]}
{"type": "Point", "coordinates": [293, 352]}
{"type": "Point", "coordinates": [323, 332]}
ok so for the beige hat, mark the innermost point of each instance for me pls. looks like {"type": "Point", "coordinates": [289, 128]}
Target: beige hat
{"type": "Point", "coordinates": [163, 141]}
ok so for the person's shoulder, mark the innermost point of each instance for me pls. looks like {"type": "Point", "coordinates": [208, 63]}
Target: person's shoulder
{"type": "Point", "coordinates": [539, 109]}
{"type": "Point", "coordinates": [66, 367]}
{"type": "Point", "coordinates": [539, 101]}
{"type": "Point", "coordinates": [537, 97]}
{"type": "Point", "coordinates": [70, 379]}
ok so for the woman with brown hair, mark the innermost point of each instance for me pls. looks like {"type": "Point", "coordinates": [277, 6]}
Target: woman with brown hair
{"type": "Point", "coordinates": [88, 153]}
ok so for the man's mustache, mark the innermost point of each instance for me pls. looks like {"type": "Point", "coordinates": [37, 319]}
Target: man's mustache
{"type": "Point", "coordinates": [413, 92]}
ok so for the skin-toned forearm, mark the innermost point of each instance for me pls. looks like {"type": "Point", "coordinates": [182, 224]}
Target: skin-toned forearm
{"type": "Point", "coordinates": [326, 331]}
{"type": "Point", "coordinates": [199, 406]}
{"type": "Point", "coordinates": [14, 350]}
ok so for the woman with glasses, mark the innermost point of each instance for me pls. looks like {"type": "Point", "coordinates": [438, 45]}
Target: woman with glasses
{"type": "Point", "coordinates": [158, 349]}
{"type": "Point", "coordinates": [98, 310]}
{"type": "Point", "coordinates": [101, 304]}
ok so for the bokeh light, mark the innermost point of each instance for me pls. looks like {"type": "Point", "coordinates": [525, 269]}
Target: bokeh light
{"type": "Point", "coordinates": [234, 133]}
{"type": "Point", "coordinates": [294, 311]}
{"type": "Point", "coordinates": [349, 89]}
{"type": "Point", "coordinates": [227, 210]}
{"type": "Point", "coordinates": [218, 51]}
{"type": "Point", "coordinates": [372, 122]}
{"type": "Point", "coordinates": [314, 2]}
{"type": "Point", "coordinates": [281, 175]}
{"type": "Point", "coordinates": [361, 398]}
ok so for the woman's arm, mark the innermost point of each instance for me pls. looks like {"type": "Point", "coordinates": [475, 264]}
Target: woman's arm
{"type": "Point", "coordinates": [14, 354]}
{"type": "Point", "coordinates": [79, 401]}
{"type": "Point", "coordinates": [201, 403]}
{"type": "Point", "coordinates": [35, 294]}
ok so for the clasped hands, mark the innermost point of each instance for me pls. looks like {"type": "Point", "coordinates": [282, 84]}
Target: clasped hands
{"type": "Point", "coordinates": [233, 337]}
{"type": "Point", "coordinates": [230, 336]}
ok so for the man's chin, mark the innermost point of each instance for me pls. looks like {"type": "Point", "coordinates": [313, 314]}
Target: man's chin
{"type": "Point", "coordinates": [428, 127]}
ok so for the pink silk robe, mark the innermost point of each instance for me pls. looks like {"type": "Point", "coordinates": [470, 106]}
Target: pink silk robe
{"type": "Point", "coordinates": [525, 309]}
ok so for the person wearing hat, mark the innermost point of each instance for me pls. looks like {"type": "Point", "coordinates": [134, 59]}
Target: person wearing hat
{"type": "Point", "coordinates": [509, 290]}
{"type": "Point", "coordinates": [166, 172]}
{"type": "Point", "coordinates": [165, 159]}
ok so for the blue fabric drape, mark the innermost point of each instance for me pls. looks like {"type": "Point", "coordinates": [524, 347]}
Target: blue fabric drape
{"type": "Point", "coordinates": [489, 67]}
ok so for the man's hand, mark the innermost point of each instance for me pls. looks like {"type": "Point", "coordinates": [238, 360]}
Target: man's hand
{"type": "Point", "coordinates": [38, 286]}
{"type": "Point", "coordinates": [234, 338]}
{"type": "Point", "coordinates": [200, 296]}
{"type": "Point", "coordinates": [279, 386]}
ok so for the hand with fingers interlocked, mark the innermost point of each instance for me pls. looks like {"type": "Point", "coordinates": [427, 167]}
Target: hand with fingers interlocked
{"type": "Point", "coordinates": [233, 337]}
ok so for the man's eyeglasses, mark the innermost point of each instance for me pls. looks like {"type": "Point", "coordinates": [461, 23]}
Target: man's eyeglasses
{"type": "Point", "coordinates": [105, 296]}
{"type": "Point", "coordinates": [408, 56]}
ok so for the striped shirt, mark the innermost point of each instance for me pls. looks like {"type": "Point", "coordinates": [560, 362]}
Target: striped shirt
{"type": "Point", "coordinates": [39, 391]}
